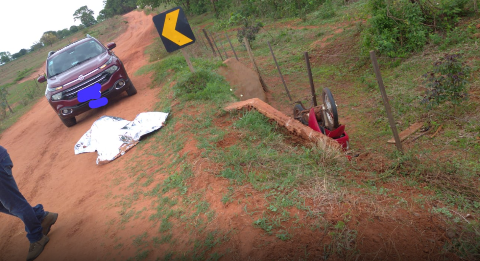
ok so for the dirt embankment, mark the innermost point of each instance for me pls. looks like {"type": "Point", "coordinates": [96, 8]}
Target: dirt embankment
{"type": "Point", "coordinates": [48, 172]}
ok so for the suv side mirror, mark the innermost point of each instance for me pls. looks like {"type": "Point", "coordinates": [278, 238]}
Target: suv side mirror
{"type": "Point", "coordinates": [41, 79]}
{"type": "Point", "coordinates": [111, 45]}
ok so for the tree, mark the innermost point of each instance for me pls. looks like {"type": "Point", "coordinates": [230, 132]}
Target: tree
{"type": "Point", "coordinates": [63, 33]}
{"type": "Point", "coordinates": [191, 7]}
{"type": "Point", "coordinates": [101, 16]}
{"type": "Point", "coordinates": [85, 15]}
{"type": "Point", "coordinates": [3, 97]}
{"type": "Point", "coordinates": [51, 32]}
{"type": "Point", "coordinates": [116, 7]}
{"type": "Point", "coordinates": [21, 53]}
{"type": "Point", "coordinates": [35, 46]}
{"type": "Point", "coordinates": [5, 57]}
{"type": "Point", "coordinates": [73, 29]}
{"type": "Point", "coordinates": [48, 39]}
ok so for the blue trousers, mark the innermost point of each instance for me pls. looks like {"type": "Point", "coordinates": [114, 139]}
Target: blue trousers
{"type": "Point", "coordinates": [13, 203]}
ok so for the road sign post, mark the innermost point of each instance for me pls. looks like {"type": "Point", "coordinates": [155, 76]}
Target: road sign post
{"type": "Point", "coordinates": [175, 32]}
{"type": "Point", "coordinates": [187, 58]}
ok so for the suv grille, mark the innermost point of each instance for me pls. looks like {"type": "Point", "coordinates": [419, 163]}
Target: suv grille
{"type": "Point", "coordinates": [71, 93]}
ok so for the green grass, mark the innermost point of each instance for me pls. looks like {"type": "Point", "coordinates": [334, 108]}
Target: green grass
{"type": "Point", "coordinates": [140, 240]}
{"type": "Point", "coordinates": [22, 74]}
{"type": "Point", "coordinates": [142, 255]}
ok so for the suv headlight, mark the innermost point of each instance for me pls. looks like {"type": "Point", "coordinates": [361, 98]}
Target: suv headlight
{"type": "Point", "coordinates": [53, 89]}
{"type": "Point", "coordinates": [112, 69]}
{"type": "Point", "coordinates": [57, 96]}
{"type": "Point", "coordinates": [107, 63]}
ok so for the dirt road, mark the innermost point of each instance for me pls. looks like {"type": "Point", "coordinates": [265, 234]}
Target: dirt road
{"type": "Point", "coordinates": [48, 172]}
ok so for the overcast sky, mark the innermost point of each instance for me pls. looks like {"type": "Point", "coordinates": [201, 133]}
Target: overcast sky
{"type": "Point", "coordinates": [24, 22]}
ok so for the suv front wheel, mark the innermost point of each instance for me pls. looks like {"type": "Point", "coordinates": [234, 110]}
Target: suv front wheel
{"type": "Point", "coordinates": [131, 91]}
{"type": "Point", "coordinates": [69, 122]}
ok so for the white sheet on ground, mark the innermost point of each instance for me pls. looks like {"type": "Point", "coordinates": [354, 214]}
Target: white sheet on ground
{"type": "Point", "coordinates": [111, 136]}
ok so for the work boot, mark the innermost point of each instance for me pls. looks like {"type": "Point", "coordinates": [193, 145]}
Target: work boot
{"type": "Point", "coordinates": [48, 221]}
{"type": "Point", "coordinates": [36, 248]}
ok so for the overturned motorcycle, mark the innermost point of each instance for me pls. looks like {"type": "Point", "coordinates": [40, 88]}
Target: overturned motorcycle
{"type": "Point", "coordinates": [323, 118]}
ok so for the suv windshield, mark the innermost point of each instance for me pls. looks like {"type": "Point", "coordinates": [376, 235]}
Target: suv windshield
{"type": "Point", "coordinates": [73, 56]}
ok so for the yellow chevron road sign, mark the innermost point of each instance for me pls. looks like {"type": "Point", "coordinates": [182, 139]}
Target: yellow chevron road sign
{"type": "Point", "coordinates": [174, 30]}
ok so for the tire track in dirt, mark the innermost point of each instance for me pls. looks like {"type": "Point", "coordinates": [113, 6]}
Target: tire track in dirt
{"type": "Point", "coordinates": [48, 172]}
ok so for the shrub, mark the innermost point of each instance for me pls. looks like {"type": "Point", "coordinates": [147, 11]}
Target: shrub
{"type": "Point", "coordinates": [3, 100]}
{"type": "Point", "coordinates": [249, 30]}
{"type": "Point", "coordinates": [395, 29]}
{"type": "Point", "coordinates": [399, 27]}
{"type": "Point", "coordinates": [22, 74]}
{"type": "Point", "coordinates": [203, 85]}
{"type": "Point", "coordinates": [327, 10]}
{"type": "Point", "coordinates": [447, 82]}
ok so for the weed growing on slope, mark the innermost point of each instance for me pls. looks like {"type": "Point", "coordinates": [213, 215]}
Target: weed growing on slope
{"type": "Point", "coordinates": [22, 74]}
{"type": "Point", "coordinates": [447, 81]}
{"type": "Point", "coordinates": [203, 85]}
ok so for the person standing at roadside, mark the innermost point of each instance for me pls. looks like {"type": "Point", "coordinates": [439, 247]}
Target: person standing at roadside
{"type": "Point", "coordinates": [37, 221]}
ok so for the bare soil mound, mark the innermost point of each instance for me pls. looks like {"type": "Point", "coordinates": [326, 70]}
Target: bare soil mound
{"type": "Point", "coordinates": [244, 80]}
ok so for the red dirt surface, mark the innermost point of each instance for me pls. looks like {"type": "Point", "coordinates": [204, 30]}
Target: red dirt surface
{"type": "Point", "coordinates": [48, 172]}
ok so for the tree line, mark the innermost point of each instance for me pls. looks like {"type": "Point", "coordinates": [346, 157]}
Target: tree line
{"type": "Point", "coordinates": [87, 19]}
{"type": "Point", "coordinates": [394, 28]}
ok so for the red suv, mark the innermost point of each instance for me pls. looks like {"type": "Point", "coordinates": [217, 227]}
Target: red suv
{"type": "Point", "coordinates": [78, 66]}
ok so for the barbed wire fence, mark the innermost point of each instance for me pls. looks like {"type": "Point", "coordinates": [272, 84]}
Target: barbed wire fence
{"type": "Point", "coordinates": [284, 75]}
{"type": "Point", "coordinates": [225, 45]}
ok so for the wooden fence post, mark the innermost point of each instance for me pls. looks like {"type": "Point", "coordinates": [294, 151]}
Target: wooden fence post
{"type": "Point", "coordinates": [233, 49]}
{"type": "Point", "coordinates": [223, 48]}
{"type": "Point", "coordinates": [201, 39]}
{"type": "Point", "coordinates": [279, 72]}
{"type": "Point", "coordinates": [310, 78]}
{"type": "Point", "coordinates": [398, 143]}
{"type": "Point", "coordinates": [215, 42]}
{"type": "Point", "coordinates": [250, 53]}
{"type": "Point", "coordinates": [209, 42]}
{"type": "Point", "coordinates": [187, 58]}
